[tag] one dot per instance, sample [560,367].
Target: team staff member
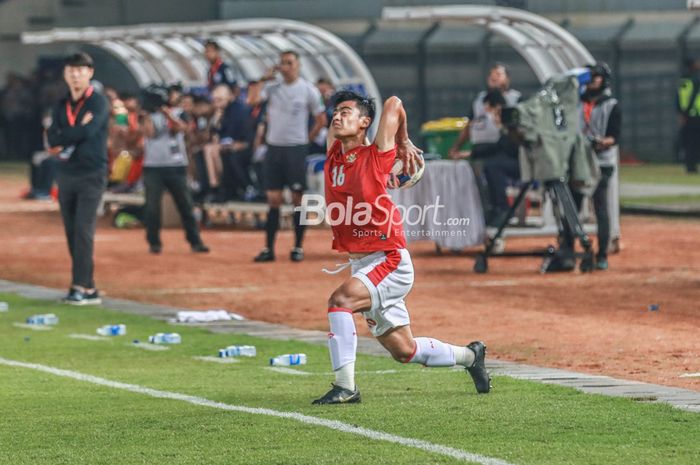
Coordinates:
[165,167]
[219,72]
[290,102]
[601,121]
[78,137]
[382,273]
[689,115]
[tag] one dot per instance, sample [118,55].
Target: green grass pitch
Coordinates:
[48,419]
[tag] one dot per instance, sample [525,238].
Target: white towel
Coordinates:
[207,316]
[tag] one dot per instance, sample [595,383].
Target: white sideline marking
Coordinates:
[378,372]
[148,346]
[208,358]
[89,337]
[690,375]
[331,424]
[288,371]
[33,327]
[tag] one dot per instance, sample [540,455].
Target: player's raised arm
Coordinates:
[393,131]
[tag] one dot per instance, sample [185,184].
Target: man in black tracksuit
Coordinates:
[78,137]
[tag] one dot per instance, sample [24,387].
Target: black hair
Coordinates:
[175,87]
[323,80]
[364,104]
[212,43]
[290,52]
[494,98]
[79,59]
[500,64]
[127,95]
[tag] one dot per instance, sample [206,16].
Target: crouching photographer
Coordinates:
[165,167]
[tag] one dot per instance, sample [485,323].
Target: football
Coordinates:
[404,180]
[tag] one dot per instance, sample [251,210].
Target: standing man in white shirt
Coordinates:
[291,103]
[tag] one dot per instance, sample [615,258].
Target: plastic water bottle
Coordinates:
[288,360]
[4,306]
[165,338]
[238,351]
[45,319]
[112,330]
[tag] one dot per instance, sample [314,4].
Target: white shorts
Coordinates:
[389,278]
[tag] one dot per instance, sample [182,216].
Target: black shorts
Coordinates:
[285,166]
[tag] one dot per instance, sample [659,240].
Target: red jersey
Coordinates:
[361,213]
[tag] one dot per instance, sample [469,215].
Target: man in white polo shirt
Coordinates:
[291,103]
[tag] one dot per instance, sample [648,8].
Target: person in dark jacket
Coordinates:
[235,139]
[219,71]
[78,138]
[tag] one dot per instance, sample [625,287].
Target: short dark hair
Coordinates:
[290,52]
[79,59]
[494,98]
[503,66]
[364,104]
[323,80]
[175,87]
[212,43]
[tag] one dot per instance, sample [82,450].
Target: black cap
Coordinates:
[79,59]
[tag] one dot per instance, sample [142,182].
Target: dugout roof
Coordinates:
[167,53]
[548,48]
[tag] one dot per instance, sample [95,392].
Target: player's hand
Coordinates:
[409,154]
[87,117]
[393,181]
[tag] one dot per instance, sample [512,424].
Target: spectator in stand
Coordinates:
[219,72]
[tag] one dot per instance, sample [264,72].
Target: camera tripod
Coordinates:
[565,211]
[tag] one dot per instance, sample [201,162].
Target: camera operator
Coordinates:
[501,165]
[481,129]
[165,167]
[601,123]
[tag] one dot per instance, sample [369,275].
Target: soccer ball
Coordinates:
[405,180]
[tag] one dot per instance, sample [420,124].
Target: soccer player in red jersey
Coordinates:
[366,224]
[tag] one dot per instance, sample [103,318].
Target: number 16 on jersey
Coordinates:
[338,175]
